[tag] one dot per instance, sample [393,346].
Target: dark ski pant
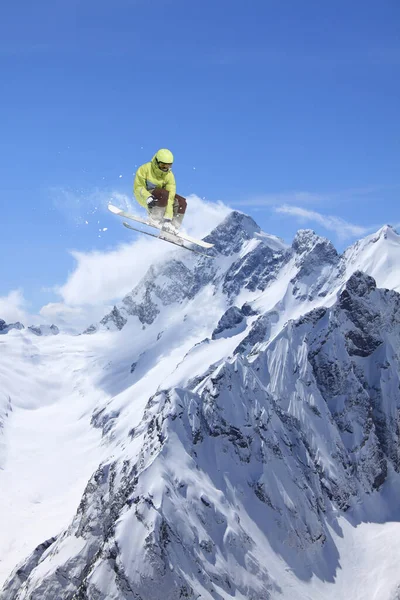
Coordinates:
[162,196]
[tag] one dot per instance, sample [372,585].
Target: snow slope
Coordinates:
[47,398]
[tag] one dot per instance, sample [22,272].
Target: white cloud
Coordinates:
[102,278]
[202,216]
[13,307]
[342,228]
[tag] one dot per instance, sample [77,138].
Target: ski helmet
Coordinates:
[164,159]
[165,156]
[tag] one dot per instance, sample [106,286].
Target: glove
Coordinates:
[168,226]
[151,202]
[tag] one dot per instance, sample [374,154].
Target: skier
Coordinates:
[155,189]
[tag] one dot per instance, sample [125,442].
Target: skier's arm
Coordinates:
[139,185]
[171,188]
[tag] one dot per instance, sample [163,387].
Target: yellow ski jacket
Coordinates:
[147,178]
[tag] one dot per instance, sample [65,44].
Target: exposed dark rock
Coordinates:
[248,310]
[104,420]
[229,236]
[113,318]
[360,284]
[258,333]
[91,329]
[255,270]
[229,321]
[5,328]
[44,330]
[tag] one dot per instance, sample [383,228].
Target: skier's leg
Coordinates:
[179,210]
[156,213]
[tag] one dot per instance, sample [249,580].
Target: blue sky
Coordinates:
[288,111]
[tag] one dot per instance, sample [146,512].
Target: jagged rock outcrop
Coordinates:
[22,574]
[318,265]
[259,333]
[228,238]
[5,328]
[231,322]
[255,270]
[44,329]
[162,286]
[356,366]
[114,319]
[38,330]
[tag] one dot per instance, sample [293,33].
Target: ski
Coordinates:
[167,237]
[121,213]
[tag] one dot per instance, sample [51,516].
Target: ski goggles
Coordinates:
[164,166]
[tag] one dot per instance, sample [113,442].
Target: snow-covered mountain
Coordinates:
[36,329]
[229,430]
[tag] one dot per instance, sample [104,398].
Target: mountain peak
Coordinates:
[360,284]
[229,236]
[312,252]
[388,232]
[377,254]
[385,233]
[306,240]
